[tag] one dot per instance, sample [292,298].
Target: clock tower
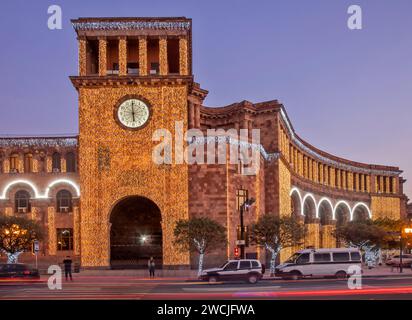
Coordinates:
[134,77]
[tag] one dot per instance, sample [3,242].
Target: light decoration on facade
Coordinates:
[38,141]
[132,25]
[324,199]
[331,162]
[36,192]
[341,202]
[360,204]
[351,211]
[236,142]
[62,181]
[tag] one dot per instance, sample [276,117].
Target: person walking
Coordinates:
[68,268]
[151,265]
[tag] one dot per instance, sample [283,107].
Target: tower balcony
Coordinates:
[134,47]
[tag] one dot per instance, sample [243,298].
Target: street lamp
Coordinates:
[245,205]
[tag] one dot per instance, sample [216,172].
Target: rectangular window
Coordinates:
[322,257]
[244,265]
[303,258]
[355,256]
[64,239]
[241,197]
[340,256]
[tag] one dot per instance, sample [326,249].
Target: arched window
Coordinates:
[22,201]
[56,162]
[70,162]
[14,162]
[28,162]
[64,201]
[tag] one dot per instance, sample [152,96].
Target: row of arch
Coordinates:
[37,194]
[323,209]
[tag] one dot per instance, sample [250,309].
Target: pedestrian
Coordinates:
[151,265]
[68,268]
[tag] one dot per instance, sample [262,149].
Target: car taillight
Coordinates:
[26,273]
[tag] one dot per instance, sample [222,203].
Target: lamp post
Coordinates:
[245,205]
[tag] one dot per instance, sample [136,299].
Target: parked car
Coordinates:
[249,270]
[18,271]
[320,263]
[396,260]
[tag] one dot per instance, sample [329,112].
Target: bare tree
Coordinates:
[199,235]
[275,234]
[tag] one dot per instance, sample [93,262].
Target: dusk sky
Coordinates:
[346,92]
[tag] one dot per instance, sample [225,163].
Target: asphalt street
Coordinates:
[127,287]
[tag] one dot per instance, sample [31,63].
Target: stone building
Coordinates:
[102,198]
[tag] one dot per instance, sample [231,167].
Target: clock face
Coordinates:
[133,113]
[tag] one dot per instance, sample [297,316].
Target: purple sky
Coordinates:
[346,92]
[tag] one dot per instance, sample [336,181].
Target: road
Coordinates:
[127,287]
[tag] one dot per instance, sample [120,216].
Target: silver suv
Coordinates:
[249,270]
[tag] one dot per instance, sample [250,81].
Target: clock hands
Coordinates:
[133,113]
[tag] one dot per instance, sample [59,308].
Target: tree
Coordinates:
[275,234]
[17,235]
[393,229]
[367,235]
[199,235]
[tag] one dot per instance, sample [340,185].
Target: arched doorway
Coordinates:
[135,234]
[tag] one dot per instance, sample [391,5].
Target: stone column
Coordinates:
[142,56]
[183,57]
[6,165]
[20,164]
[395,182]
[362,177]
[51,227]
[122,56]
[102,57]
[82,56]
[321,171]
[338,180]
[63,164]
[350,180]
[315,171]
[387,190]
[332,177]
[164,68]
[49,164]
[368,184]
[344,180]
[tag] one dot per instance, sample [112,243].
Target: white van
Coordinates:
[320,263]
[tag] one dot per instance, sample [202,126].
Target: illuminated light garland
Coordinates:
[37,195]
[360,204]
[331,162]
[320,202]
[38,141]
[334,208]
[132,25]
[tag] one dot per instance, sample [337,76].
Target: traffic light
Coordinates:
[236,252]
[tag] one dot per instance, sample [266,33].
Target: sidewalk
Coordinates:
[380,271]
